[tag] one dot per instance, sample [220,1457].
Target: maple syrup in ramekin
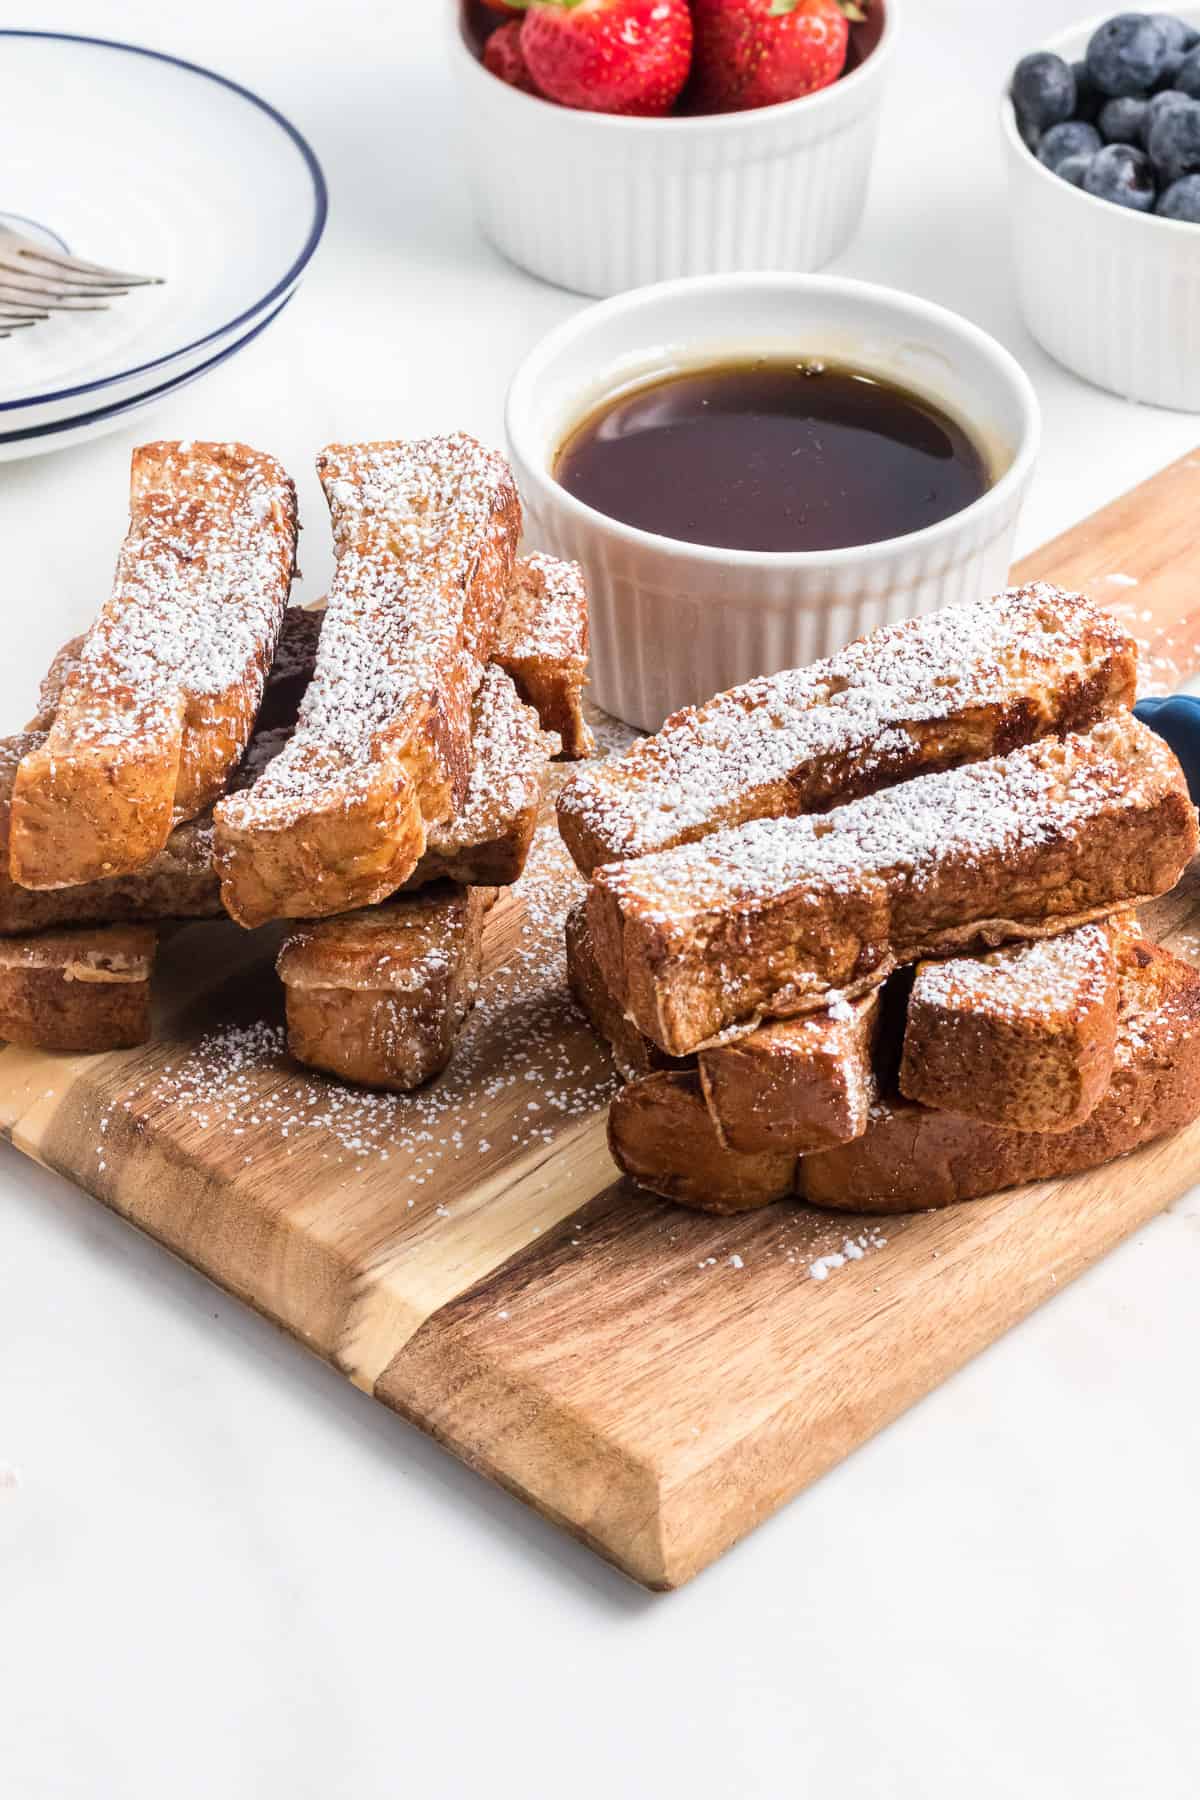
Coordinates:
[773,454]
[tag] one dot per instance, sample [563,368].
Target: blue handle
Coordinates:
[1177,720]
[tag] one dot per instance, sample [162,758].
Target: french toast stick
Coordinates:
[159,707]
[912,1157]
[1024,1037]
[542,642]
[85,991]
[663,1137]
[378,997]
[767,919]
[950,687]
[797,1085]
[425,536]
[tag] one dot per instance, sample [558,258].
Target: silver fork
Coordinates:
[35,282]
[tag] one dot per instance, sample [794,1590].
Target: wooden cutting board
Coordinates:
[653,1381]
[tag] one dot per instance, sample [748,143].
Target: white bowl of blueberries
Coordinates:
[1102,126]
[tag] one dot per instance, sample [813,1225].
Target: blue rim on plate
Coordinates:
[320,214]
[116,407]
[12,218]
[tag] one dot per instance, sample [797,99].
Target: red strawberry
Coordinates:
[503,55]
[758,52]
[613,56]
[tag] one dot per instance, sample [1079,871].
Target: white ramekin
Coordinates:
[673,623]
[600,204]
[1112,294]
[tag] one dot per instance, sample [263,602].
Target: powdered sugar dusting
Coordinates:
[524,1068]
[909,837]
[546,615]
[1026,982]
[785,743]
[853,1249]
[201,586]
[509,751]
[412,522]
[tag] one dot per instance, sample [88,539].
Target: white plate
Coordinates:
[106,414]
[144,162]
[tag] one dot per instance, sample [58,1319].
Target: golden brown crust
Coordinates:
[426,536]
[930,693]
[83,991]
[634,1054]
[662,1136]
[486,840]
[911,1157]
[799,1085]
[177,883]
[769,918]
[160,703]
[1023,1038]
[378,997]
[542,642]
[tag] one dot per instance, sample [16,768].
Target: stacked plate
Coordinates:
[140,161]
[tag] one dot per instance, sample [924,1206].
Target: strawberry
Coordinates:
[758,52]
[503,55]
[613,56]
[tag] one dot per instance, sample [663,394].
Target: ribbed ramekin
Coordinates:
[600,204]
[672,622]
[1111,294]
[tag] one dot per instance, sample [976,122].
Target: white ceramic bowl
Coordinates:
[1112,294]
[672,622]
[600,204]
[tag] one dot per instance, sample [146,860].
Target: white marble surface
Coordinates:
[222,1571]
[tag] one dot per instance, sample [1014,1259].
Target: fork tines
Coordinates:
[35,281]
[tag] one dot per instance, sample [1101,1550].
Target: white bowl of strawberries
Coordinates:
[614,143]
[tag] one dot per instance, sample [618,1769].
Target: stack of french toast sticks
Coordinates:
[864,933]
[370,772]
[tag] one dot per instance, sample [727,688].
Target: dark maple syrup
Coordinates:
[773,455]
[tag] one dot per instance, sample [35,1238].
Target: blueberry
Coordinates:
[1188,79]
[1072,138]
[1181,200]
[1043,89]
[1127,53]
[1030,135]
[1123,175]
[1158,104]
[1179,35]
[1088,98]
[1073,169]
[1122,120]
[1173,140]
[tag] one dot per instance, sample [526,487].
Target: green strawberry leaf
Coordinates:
[779,9]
